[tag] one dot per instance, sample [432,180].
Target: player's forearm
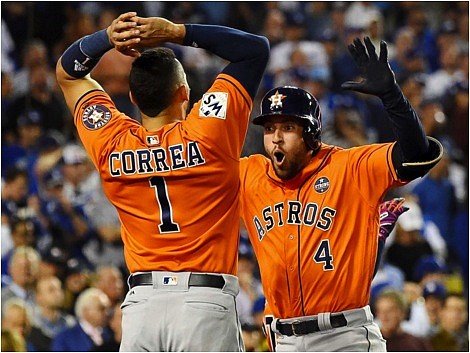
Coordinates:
[248,53]
[228,43]
[407,126]
[82,56]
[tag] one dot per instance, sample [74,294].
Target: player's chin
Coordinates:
[283,172]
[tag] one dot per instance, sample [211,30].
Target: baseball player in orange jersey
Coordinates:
[174,179]
[311,210]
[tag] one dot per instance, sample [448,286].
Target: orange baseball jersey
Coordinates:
[315,236]
[175,189]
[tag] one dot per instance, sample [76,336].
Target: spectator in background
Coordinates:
[434,294]
[435,194]
[48,319]
[12,341]
[456,104]
[425,38]
[76,280]
[430,277]
[348,129]
[23,271]
[250,286]
[53,262]
[34,55]
[449,73]
[115,327]
[405,59]
[7,96]
[22,234]
[408,245]
[390,311]
[452,335]
[273,26]
[16,318]
[67,223]
[91,329]
[359,14]
[413,87]
[22,153]
[343,67]
[109,280]
[14,198]
[295,51]
[41,97]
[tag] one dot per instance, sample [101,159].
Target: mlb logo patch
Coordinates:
[170,281]
[214,105]
[153,140]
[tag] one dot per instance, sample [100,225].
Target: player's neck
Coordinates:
[173,113]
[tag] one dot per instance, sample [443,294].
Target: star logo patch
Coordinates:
[276,100]
[96,116]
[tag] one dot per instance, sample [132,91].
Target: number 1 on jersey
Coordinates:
[167,224]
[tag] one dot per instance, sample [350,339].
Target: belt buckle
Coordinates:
[293,323]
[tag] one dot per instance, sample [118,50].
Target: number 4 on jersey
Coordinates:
[167,225]
[323,255]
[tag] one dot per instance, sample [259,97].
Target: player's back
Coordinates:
[175,189]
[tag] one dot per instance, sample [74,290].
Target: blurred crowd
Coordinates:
[62,258]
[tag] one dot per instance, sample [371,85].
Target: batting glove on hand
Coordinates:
[389,213]
[378,77]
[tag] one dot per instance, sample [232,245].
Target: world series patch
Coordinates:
[96,116]
[322,185]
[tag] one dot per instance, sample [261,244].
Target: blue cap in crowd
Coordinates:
[434,288]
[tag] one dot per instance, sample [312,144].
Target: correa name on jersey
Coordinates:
[155,160]
[297,214]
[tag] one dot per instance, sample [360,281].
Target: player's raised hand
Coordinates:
[378,77]
[123,34]
[389,213]
[153,31]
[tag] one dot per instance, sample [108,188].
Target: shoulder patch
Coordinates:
[96,116]
[214,105]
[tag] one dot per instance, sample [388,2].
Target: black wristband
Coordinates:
[83,55]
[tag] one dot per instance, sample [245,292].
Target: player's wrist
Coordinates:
[82,56]
[177,33]
[96,45]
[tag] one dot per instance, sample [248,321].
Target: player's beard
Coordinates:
[294,161]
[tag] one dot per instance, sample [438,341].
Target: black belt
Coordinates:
[298,328]
[195,280]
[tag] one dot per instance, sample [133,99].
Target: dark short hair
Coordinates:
[152,79]
[14,172]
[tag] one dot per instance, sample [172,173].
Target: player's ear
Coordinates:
[131,98]
[182,93]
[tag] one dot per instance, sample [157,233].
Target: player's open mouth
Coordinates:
[279,157]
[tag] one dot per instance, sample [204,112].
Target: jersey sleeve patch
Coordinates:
[96,116]
[214,105]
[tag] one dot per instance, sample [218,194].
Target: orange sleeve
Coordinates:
[368,172]
[98,122]
[222,115]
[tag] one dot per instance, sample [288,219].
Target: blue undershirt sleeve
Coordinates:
[248,53]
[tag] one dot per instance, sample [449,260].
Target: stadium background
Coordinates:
[57,221]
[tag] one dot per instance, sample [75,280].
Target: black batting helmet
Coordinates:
[297,103]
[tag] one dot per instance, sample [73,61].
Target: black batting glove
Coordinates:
[378,77]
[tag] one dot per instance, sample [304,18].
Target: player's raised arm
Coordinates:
[247,53]
[414,154]
[76,63]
